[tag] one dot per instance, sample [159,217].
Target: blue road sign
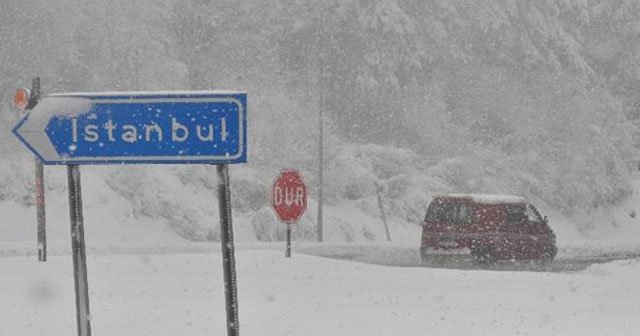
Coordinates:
[138,127]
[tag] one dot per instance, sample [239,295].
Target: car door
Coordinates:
[515,232]
[537,232]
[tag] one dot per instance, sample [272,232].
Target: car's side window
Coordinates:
[516,214]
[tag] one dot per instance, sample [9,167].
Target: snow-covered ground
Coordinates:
[181,294]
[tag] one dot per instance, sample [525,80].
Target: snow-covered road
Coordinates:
[568,260]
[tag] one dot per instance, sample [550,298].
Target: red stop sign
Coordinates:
[289,196]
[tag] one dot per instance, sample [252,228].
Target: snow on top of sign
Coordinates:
[60,106]
[486,198]
[143,93]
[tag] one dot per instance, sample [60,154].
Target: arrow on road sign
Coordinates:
[137,127]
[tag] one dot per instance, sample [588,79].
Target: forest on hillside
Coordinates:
[539,98]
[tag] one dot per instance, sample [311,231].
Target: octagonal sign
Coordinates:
[289,196]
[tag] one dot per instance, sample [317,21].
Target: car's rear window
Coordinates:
[451,213]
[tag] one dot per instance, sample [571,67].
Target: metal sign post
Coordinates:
[34,99]
[42,229]
[228,253]
[78,251]
[287,253]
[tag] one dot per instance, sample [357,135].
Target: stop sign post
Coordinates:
[289,200]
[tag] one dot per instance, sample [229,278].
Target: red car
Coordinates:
[486,228]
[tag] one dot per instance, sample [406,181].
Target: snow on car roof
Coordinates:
[485,198]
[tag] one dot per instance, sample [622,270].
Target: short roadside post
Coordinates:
[204,127]
[289,200]
[379,189]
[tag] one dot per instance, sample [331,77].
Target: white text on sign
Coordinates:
[113,132]
[289,196]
